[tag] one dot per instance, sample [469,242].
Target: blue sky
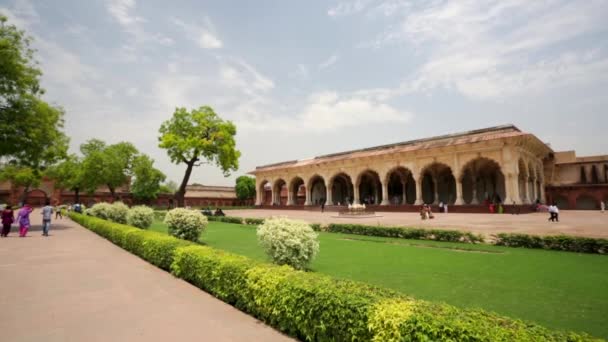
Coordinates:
[304,78]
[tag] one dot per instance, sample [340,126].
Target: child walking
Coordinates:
[8,217]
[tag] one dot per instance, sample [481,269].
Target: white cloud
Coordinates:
[328,62]
[301,72]
[205,36]
[123,11]
[349,8]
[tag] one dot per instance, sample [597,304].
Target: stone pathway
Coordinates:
[76,286]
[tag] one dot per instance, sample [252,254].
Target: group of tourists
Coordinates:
[426,213]
[23,219]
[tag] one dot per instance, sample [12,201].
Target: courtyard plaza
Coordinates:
[571,222]
[77,286]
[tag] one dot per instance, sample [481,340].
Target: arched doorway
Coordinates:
[297,192]
[342,190]
[438,184]
[265,193]
[483,180]
[279,192]
[586,202]
[317,190]
[370,188]
[36,198]
[401,186]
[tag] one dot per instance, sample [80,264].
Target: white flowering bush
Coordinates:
[119,212]
[140,216]
[185,223]
[288,242]
[100,210]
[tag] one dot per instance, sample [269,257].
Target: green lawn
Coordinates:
[561,290]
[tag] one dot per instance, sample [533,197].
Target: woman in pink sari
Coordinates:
[24,219]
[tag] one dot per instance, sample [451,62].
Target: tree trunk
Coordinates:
[76,195]
[24,194]
[181,192]
[112,192]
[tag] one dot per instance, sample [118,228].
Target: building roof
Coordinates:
[478,135]
[201,187]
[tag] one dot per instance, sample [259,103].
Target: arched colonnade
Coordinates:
[477,181]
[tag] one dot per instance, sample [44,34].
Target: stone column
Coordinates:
[289,197]
[436,190]
[258,196]
[328,196]
[474,200]
[459,199]
[376,194]
[404,198]
[526,198]
[356,195]
[308,193]
[419,200]
[385,200]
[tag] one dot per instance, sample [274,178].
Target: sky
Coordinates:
[306,78]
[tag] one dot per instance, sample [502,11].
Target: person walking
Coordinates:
[8,217]
[47,213]
[602,206]
[23,217]
[551,213]
[556,211]
[58,213]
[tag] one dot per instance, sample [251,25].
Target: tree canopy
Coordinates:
[69,175]
[198,137]
[245,187]
[146,185]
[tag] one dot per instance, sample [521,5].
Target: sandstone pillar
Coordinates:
[404,197]
[419,200]
[542,191]
[474,200]
[328,196]
[435,190]
[356,195]
[526,197]
[308,195]
[459,199]
[385,200]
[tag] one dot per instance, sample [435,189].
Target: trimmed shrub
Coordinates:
[119,212]
[288,242]
[406,233]
[557,242]
[140,216]
[316,307]
[231,219]
[100,210]
[253,221]
[185,223]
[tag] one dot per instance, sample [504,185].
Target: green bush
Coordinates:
[316,307]
[288,242]
[557,242]
[231,219]
[406,233]
[140,216]
[253,221]
[185,223]
[101,210]
[119,212]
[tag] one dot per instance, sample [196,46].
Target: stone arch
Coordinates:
[265,192]
[342,189]
[522,176]
[316,190]
[370,187]
[401,186]
[438,183]
[36,197]
[279,192]
[482,179]
[297,191]
[586,202]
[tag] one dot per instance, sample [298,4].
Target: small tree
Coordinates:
[288,241]
[146,185]
[245,187]
[68,175]
[199,137]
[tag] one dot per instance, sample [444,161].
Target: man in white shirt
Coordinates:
[47,213]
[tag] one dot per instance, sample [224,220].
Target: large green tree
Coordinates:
[245,187]
[198,137]
[146,183]
[30,128]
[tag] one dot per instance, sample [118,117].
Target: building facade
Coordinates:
[498,164]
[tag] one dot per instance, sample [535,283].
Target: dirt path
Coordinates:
[76,286]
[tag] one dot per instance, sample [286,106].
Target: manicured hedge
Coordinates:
[227,219]
[316,307]
[557,242]
[406,233]
[253,221]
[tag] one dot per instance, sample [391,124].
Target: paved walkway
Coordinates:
[76,286]
[571,222]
